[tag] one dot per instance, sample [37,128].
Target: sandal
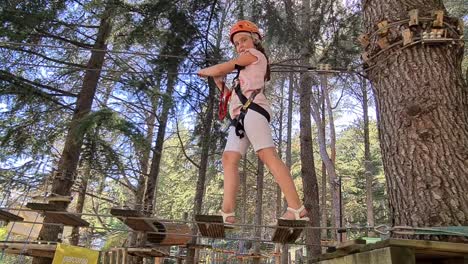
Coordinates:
[225,216]
[297,214]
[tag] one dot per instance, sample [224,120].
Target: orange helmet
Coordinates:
[244,26]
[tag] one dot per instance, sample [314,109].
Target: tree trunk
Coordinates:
[68,163]
[243,183]
[75,235]
[205,149]
[167,102]
[309,178]
[367,157]
[279,208]
[258,208]
[144,158]
[331,124]
[422,104]
[323,201]
[330,166]
[285,248]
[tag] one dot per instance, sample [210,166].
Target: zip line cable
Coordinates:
[305,69]
[19,44]
[273,64]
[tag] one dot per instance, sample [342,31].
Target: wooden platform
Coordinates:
[197,246]
[52,198]
[147,252]
[133,219]
[288,231]
[43,207]
[211,226]
[9,217]
[29,249]
[399,251]
[67,219]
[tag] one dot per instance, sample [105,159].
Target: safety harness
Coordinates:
[247,104]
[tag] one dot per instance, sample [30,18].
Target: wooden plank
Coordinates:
[124,256]
[177,234]
[30,252]
[104,258]
[52,198]
[67,219]
[197,246]
[350,243]
[9,217]
[383,42]
[112,257]
[123,212]
[211,225]
[43,207]
[134,219]
[414,17]
[146,252]
[383,28]
[364,40]
[13,245]
[288,231]
[407,36]
[118,252]
[439,18]
[139,224]
[429,245]
[387,255]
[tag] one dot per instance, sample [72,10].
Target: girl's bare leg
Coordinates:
[283,177]
[231,182]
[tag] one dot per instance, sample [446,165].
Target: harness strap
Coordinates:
[238,122]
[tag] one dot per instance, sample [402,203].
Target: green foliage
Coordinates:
[112,121]
[350,165]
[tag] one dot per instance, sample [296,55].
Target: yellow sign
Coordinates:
[66,254]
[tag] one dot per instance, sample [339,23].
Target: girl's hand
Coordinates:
[202,73]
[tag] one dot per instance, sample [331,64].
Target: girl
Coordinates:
[252,125]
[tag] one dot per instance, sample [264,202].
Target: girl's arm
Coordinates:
[220,70]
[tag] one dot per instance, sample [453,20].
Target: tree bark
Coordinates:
[422,104]
[75,235]
[68,163]
[167,102]
[204,159]
[331,124]
[285,248]
[258,207]
[367,156]
[323,201]
[309,178]
[330,166]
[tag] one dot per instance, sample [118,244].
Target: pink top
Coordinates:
[251,78]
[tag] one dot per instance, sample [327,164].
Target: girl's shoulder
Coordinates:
[260,56]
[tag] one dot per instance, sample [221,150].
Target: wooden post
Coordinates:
[103,256]
[112,257]
[119,255]
[124,256]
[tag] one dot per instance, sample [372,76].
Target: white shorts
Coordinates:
[257,132]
